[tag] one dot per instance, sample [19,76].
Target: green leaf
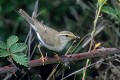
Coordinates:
[4,53]
[3,45]
[18,47]
[117,12]
[11,40]
[21,59]
[111,11]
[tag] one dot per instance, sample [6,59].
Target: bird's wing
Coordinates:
[48,35]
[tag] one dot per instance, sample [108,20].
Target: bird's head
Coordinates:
[67,36]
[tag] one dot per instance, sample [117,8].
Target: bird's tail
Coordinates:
[29,19]
[26,16]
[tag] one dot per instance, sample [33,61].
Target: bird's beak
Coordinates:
[76,38]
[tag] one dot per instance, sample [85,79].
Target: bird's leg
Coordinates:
[42,57]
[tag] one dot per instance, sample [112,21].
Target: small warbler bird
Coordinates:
[47,36]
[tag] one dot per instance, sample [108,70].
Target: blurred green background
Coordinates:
[76,16]
[60,15]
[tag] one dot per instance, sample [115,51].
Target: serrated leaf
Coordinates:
[18,47]
[11,40]
[3,45]
[21,59]
[4,53]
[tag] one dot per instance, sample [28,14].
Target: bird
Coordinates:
[52,39]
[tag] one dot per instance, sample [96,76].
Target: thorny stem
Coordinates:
[92,34]
[66,58]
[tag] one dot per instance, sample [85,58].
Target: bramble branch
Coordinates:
[66,58]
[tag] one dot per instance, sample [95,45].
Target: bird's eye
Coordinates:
[66,35]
